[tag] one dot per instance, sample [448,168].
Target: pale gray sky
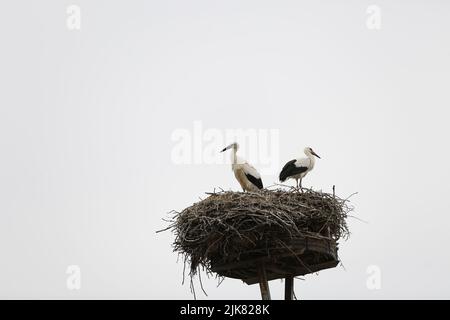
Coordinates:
[87,119]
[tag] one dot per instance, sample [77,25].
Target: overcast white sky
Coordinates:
[87,121]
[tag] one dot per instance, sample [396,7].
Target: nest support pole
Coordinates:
[263,283]
[289,288]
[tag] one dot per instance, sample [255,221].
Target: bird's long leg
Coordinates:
[301,188]
[297,182]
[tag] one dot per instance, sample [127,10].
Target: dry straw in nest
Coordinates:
[228,224]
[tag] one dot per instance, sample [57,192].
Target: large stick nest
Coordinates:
[227,224]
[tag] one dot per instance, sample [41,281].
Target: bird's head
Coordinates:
[310,151]
[234,145]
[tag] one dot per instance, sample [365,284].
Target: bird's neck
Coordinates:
[234,156]
[312,160]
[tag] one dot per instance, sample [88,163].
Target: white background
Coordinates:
[86,118]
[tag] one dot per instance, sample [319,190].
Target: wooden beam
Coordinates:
[296,247]
[289,288]
[301,271]
[263,283]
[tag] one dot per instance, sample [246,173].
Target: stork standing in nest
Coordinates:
[298,168]
[247,176]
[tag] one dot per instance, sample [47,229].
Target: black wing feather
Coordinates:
[290,169]
[257,182]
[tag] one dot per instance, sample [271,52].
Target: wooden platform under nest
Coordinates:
[299,257]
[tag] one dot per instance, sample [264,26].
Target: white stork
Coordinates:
[298,168]
[246,174]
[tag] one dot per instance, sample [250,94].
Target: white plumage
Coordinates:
[298,168]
